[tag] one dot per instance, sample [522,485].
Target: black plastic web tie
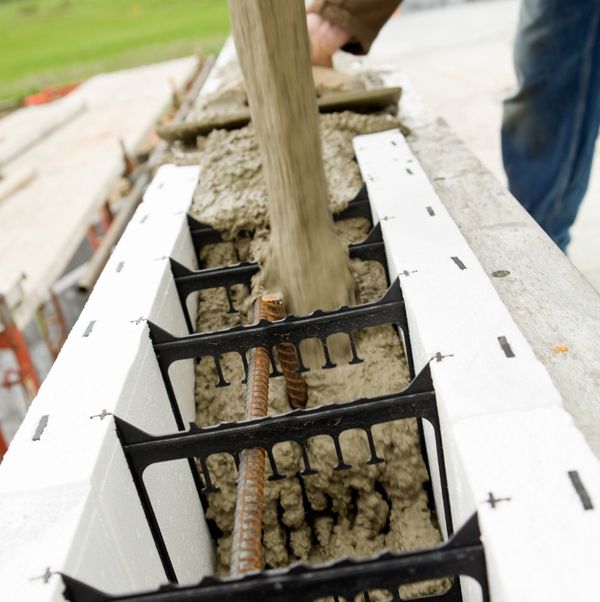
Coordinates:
[374,459]
[328,361]
[389,309]
[188,281]
[298,426]
[341,465]
[308,470]
[463,554]
[355,358]
[203,234]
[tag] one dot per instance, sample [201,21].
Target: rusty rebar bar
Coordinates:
[246,549]
[294,381]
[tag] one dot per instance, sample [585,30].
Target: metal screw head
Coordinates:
[500,273]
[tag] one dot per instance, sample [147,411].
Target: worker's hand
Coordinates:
[325,39]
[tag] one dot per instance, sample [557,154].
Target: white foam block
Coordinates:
[541,530]
[503,428]
[171,189]
[451,305]
[36,534]
[66,461]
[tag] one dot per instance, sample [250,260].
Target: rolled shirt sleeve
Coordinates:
[362,19]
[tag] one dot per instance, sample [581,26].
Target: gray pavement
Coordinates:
[459,59]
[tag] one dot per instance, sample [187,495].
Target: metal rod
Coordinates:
[294,381]
[246,552]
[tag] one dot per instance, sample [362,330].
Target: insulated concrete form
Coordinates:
[67,501]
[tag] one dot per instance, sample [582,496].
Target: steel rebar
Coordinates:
[294,381]
[246,549]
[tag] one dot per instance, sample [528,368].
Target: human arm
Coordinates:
[348,24]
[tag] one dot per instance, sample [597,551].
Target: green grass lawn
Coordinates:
[53,42]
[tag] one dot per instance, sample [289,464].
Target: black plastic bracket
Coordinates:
[189,281]
[203,234]
[198,444]
[293,329]
[461,555]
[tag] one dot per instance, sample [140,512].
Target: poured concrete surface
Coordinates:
[459,59]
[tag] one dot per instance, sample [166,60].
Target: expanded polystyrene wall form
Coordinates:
[67,499]
[512,452]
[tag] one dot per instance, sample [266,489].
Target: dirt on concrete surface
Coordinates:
[367,508]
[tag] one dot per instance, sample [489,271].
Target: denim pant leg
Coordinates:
[550,126]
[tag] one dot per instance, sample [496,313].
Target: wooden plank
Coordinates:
[43,223]
[361,101]
[273,50]
[130,202]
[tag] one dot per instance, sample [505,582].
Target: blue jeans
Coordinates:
[550,126]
